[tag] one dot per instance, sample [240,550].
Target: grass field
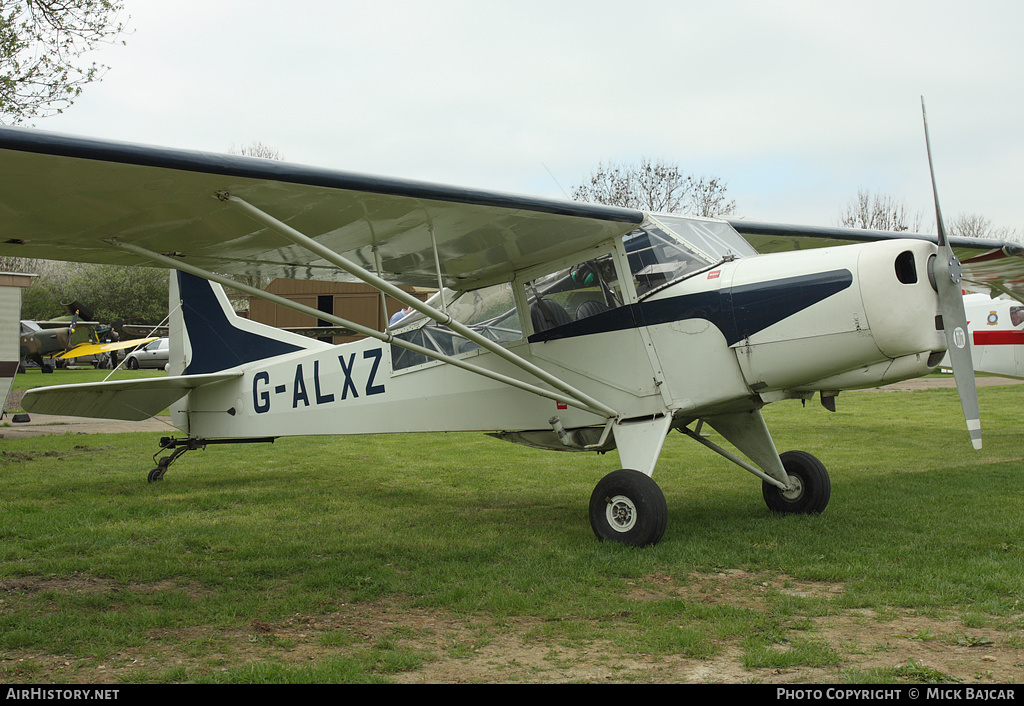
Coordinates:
[34,377]
[457,557]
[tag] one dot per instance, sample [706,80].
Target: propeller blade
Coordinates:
[947,274]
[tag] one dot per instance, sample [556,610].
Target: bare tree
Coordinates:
[971,225]
[41,45]
[879,212]
[257,149]
[263,151]
[883,212]
[655,186]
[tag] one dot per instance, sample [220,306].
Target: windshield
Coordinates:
[656,258]
[715,238]
[672,248]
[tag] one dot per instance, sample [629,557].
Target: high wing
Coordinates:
[67,323]
[144,331]
[319,331]
[994,266]
[84,200]
[84,349]
[311,331]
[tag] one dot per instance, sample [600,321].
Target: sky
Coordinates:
[797,105]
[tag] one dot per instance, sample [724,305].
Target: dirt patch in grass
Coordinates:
[460,649]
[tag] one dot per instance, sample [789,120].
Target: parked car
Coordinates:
[154,354]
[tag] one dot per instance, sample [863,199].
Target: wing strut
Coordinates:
[401,295]
[568,394]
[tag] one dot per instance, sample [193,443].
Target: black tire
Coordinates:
[628,507]
[812,488]
[132,364]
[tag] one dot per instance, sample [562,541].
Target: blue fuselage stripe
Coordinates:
[738,312]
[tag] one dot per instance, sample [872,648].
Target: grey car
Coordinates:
[152,355]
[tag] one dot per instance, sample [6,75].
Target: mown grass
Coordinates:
[468,525]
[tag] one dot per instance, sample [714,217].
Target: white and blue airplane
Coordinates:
[559,325]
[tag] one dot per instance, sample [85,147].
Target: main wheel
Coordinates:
[811,487]
[628,507]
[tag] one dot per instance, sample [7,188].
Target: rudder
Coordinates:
[206,336]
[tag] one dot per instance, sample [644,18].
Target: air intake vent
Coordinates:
[906,268]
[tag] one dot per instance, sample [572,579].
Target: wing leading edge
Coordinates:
[68,197]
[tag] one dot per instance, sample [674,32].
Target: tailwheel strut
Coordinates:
[180,446]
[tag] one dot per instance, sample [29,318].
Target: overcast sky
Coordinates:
[797,105]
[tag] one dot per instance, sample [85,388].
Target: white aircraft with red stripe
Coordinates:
[996,328]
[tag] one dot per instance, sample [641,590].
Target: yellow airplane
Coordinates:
[84,349]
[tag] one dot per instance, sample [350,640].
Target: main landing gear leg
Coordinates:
[794,482]
[627,506]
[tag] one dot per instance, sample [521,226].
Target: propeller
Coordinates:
[947,272]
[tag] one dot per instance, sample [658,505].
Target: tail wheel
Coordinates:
[810,487]
[628,507]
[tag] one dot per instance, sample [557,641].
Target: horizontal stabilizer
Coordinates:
[132,400]
[84,349]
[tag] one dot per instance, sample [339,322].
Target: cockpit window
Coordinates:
[1017,316]
[490,311]
[574,293]
[665,249]
[567,295]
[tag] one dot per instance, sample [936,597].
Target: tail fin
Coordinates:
[206,336]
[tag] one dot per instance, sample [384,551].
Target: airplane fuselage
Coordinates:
[731,337]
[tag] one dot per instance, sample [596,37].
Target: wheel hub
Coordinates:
[796,488]
[621,513]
